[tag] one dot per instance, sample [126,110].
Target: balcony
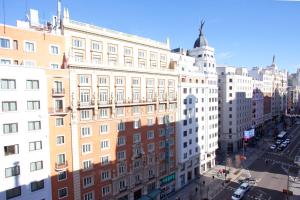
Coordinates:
[58,111]
[61,166]
[104,103]
[58,92]
[123,189]
[86,104]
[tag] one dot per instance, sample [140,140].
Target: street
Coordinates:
[270,172]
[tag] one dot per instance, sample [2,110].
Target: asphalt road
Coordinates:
[271,176]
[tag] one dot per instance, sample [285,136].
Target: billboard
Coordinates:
[248,134]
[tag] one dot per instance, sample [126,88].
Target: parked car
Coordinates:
[288,140]
[273,146]
[284,144]
[245,187]
[280,148]
[278,142]
[238,194]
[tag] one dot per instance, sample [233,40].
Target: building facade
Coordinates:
[235,106]
[25,163]
[197,125]
[123,105]
[258,107]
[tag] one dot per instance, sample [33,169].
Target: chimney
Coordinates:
[58,11]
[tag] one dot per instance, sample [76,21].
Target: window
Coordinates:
[230,80]
[4,43]
[96,46]
[11,149]
[87,164]
[15,44]
[60,140]
[14,192]
[103,112]
[9,106]
[54,50]
[59,121]
[54,66]
[136,137]
[5,61]
[104,160]
[104,144]
[84,96]
[88,196]
[62,192]
[85,115]
[136,123]
[121,140]
[150,108]
[61,159]
[103,95]
[34,166]
[122,185]
[120,111]
[12,171]
[127,51]
[105,175]
[34,125]
[32,84]
[30,63]
[86,148]
[135,109]
[88,181]
[103,128]
[78,43]
[112,48]
[103,80]
[34,146]
[85,131]
[37,185]
[62,175]
[120,95]
[29,47]
[151,147]
[10,128]
[105,190]
[121,126]
[150,135]
[142,54]
[8,84]
[97,58]
[84,79]
[121,155]
[33,105]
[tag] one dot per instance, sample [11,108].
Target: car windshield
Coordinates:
[243,187]
[236,195]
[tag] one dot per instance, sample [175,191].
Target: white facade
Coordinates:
[235,106]
[197,126]
[274,89]
[24,135]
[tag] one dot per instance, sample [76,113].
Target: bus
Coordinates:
[281,135]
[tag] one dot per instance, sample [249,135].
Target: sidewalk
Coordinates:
[210,184]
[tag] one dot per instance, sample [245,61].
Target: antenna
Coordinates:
[26,11]
[3,8]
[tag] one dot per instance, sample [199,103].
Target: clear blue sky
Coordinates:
[243,32]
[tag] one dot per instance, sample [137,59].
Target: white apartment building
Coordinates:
[274,89]
[235,106]
[24,135]
[197,125]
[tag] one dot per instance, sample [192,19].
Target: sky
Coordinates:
[244,33]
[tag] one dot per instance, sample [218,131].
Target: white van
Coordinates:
[238,194]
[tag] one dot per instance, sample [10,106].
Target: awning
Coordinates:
[152,195]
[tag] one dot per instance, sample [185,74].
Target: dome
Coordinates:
[201,40]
